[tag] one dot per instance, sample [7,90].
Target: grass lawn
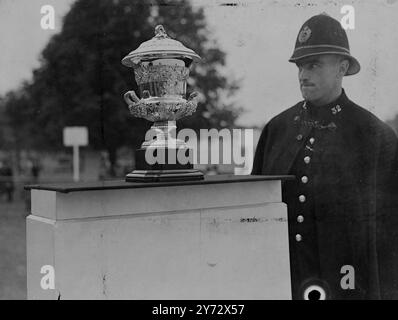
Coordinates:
[12,249]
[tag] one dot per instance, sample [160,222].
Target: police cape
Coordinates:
[352,188]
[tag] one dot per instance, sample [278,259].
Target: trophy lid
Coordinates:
[160,46]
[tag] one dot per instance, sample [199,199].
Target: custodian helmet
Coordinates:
[321,34]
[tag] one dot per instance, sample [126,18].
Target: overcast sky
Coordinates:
[258,37]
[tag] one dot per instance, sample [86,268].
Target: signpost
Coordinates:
[75,137]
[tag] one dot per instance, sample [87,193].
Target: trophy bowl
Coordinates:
[162,85]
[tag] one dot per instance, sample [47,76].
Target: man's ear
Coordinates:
[344,65]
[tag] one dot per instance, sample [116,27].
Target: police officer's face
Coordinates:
[320,77]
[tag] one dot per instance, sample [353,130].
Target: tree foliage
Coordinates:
[15,120]
[81,81]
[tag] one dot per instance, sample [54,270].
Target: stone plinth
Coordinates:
[225,237]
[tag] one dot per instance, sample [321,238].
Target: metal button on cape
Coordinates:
[304,179]
[302,198]
[300,219]
[307,159]
[299,137]
[312,140]
[298,237]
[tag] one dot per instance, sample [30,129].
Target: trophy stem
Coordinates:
[164,143]
[165,136]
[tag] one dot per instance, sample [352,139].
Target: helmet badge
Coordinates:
[304,34]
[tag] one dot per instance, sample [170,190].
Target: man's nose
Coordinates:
[303,74]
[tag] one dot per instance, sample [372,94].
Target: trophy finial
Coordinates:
[160,32]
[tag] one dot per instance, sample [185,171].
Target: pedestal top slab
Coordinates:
[121,184]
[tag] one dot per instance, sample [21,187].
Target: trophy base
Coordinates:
[169,168]
[164,175]
[166,159]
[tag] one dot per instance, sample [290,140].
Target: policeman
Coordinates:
[342,215]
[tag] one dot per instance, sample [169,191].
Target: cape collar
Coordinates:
[331,109]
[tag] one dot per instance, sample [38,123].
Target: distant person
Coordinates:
[7,182]
[35,170]
[103,167]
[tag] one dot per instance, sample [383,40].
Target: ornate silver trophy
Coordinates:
[161,69]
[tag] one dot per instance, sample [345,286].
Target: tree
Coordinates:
[16,121]
[81,80]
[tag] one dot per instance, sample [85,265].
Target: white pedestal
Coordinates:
[222,238]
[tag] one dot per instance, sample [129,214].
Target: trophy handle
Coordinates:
[131,98]
[193,96]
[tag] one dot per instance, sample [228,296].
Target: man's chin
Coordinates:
[307,95]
